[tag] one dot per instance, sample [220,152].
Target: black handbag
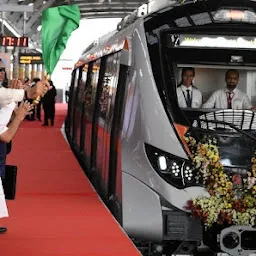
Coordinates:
[9,181]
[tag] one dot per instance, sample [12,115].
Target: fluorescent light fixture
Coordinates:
[30,4]
[10,28]
[14,32]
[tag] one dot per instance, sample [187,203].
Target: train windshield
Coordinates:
[208,75]
[200,67]
[211,67]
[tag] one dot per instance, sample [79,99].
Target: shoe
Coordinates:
[44,124]
[3,230]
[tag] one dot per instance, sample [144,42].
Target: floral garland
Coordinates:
[232,198]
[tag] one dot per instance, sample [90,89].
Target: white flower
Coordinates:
[251,182]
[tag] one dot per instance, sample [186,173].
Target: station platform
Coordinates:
[56,211]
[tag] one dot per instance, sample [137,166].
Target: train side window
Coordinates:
[73,99]
[77,103]
[86,82]
[110,81]
[107,102]
[79,106]
[91,88]
[89,105]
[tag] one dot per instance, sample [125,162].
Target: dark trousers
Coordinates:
[38,111]
[49,113]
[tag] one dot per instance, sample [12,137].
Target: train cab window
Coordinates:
[197,68]
[205,81]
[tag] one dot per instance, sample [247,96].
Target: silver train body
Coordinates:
[119,136]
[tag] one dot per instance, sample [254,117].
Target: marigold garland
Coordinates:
[232,199]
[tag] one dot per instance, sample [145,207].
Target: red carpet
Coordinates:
[56,211]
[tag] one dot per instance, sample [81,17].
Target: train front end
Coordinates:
[218,172]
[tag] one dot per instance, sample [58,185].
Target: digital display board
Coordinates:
[14,41]
[26,58]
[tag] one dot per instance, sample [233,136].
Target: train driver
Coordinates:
[229,97]
[188,95]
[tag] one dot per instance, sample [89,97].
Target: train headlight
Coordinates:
[188,173]
[169,166]
[176,171]
[162,163]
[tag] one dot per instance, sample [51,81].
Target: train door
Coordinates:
[114,172]
[77,114]
[104,122]
[86,81]
[78,111]
[111,102]
[73,102]
[69,115]
[89,107]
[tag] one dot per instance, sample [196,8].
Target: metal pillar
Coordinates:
[24,23]
[2,29]
[2,25]
[33,71]
[39,72]
[44,73]
[15,63]
[27,70]
[22,71]
[10,53]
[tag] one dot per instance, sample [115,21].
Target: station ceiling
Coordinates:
[90,9]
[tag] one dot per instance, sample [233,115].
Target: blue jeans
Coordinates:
[2,158]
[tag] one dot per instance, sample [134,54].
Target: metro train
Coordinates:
[126,128]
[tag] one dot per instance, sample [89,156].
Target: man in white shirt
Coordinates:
[230,97]
[188,95]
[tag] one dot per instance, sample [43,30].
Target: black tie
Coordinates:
[189,101]
[229,100]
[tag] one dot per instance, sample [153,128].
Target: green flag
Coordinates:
[57,25]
